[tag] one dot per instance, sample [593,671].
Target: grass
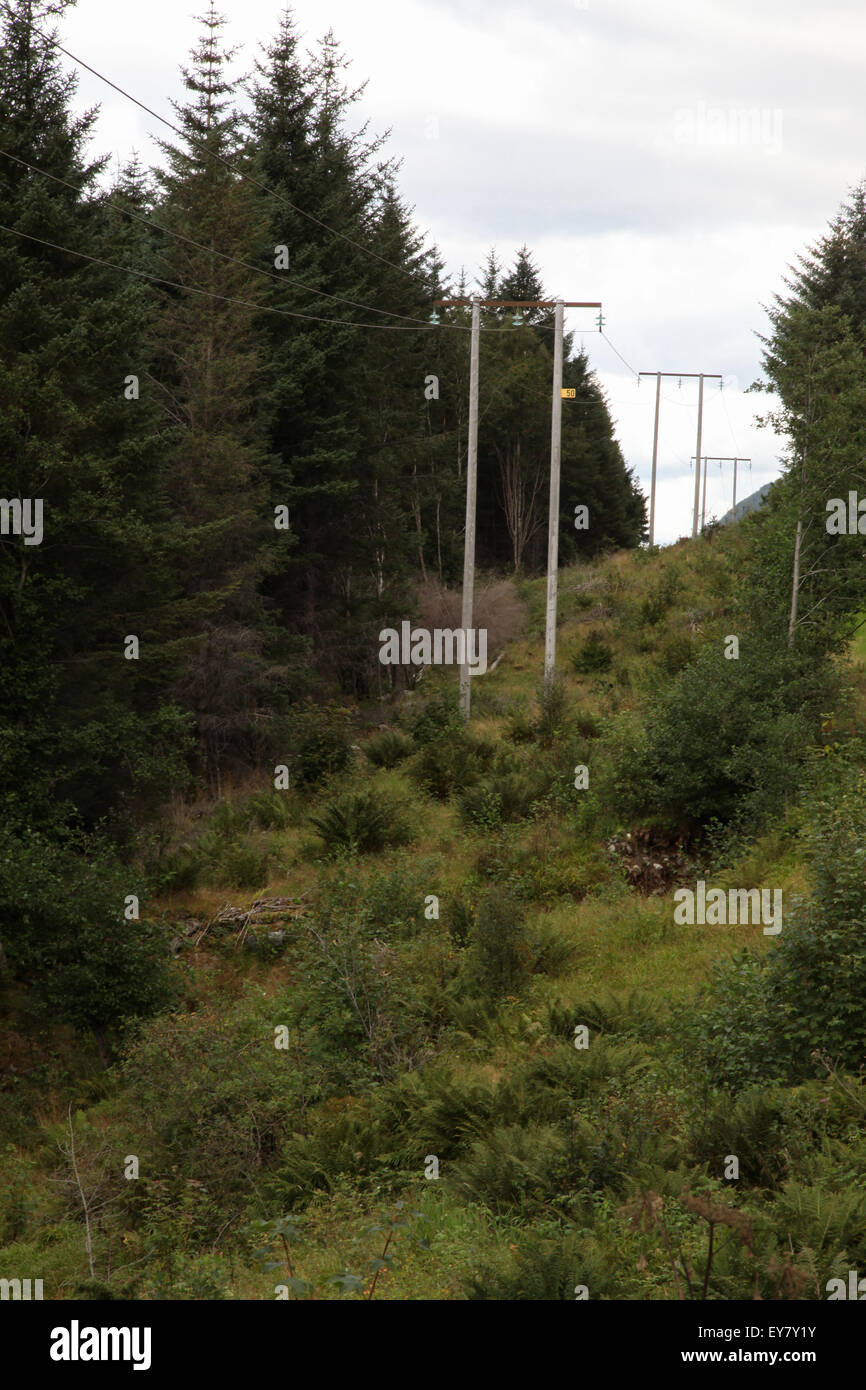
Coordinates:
[621,942]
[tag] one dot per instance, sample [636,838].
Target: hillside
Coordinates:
[381,979]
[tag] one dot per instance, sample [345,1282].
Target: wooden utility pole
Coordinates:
[472,470]
[471,497]
[655,460]
[723,458]
[553,511]
[702,376]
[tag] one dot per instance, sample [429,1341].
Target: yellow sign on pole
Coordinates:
[569,392]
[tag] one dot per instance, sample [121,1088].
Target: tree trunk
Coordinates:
[795,587]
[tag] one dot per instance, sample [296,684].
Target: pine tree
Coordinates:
[84,732]
[207,372]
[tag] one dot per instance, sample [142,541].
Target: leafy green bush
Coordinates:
[512,1165]
[507,794]
[450,764]
[439,717]
[320,738]
[660,598]
[675,652]
[499,954]
[387,749]
[596,655]
[763,1018]
[270,810]
[553,711]
[549,1270]
[66,936]
[728,736]
[726,1033]
[816,975]
[364,823]
[213,1093]
[751,1127]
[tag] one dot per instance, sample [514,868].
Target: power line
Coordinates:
[619,354]
[246,178]
[211,250]
[209,294]
[730,426]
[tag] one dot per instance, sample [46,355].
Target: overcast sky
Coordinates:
[670,160]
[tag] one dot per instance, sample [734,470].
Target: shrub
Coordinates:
[753,1128]
[387,749]
[511,1165]
[728,736]
[270,810]
[508,794]
[440,716]
[321,741]
[816,974]
[360,824]
[499,955]
[675,652]
[595,655]
[65,935]
[553,704]
[726,1032]
[213,1093]
[450,764]
[659,599]
[550,1270]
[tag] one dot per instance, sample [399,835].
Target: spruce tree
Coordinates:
[208,371]
[84,731]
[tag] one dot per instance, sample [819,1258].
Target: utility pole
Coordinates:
[471,496]
[655,459]
[724,458]
[553,511]
[702,376]
[558,305]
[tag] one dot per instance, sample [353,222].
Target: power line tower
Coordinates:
[701,376]
[558,305]
[722,458]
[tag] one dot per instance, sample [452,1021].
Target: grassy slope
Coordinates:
[621,941]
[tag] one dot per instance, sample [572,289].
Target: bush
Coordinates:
[726,1034]
[660,598]
[321,739]
[213,1093]
[553,704]
[511,1165]
[440,716]
[65,934]
[753,1129]
[387,749]
[508,794]
[446,765]
[595,655]
[675,652]
[360,824]
[729,736]
[500,954]
[549,1270]
[816,974]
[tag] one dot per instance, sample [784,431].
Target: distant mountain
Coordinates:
[748,504]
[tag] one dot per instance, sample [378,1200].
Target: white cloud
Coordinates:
[671,160]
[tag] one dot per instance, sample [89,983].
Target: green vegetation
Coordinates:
[379,1004]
